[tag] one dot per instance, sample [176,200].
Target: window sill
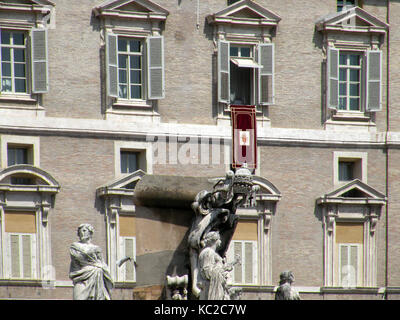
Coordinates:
[124,285]
[350,116]
[21,282]
[16,97]
[356,290]
[132,104]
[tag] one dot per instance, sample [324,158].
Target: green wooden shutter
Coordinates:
[374,77]
[223,71]
[40,83]
[333,78]
[155,68]
[112,65]
[266,74]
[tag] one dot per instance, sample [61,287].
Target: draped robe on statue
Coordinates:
[90,275]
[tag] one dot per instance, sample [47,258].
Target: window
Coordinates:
[342,4]
[17,66]
[134,58]
[121,225]
[350,218]
[131,156]
[349,251]
[23,52]
[242,72]
[13,62]
[25,249]
[232,2]
[17,155]
[130,71]
[346,170]
[353,67]
[349,166]
[129,161]
[245,57]
[19,150]
[125,67]
[242,79]
[345,80]
[127,248]
[244,245]
[349,81]
[20,234]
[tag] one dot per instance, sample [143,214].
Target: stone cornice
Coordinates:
[142,131]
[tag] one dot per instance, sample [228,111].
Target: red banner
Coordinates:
[244,136]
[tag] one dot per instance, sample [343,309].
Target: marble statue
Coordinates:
[213,269]
[216,211]
[285,290]
[88,272]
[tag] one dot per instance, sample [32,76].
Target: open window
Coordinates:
[245,59]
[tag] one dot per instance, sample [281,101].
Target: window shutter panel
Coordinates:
[266,94]
[40,82]
[333,78]
[237,251]
[15,256]
[374,75]
[112,65]
[354,263]
[1,86]
[26,256]
[129,265]
[128,249]
[223,71]
[248,262]
[155,67]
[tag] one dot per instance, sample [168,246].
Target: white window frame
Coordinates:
[145,149]
[351,157]
[361,68]
[346,4]
[143,53]
[32,143]
[27,62]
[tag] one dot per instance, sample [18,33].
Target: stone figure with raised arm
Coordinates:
[215,211]
[90,275]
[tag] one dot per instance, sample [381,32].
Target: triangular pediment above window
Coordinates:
[138,9]
[245,12]
[353,19]
[356,192]
[124,185]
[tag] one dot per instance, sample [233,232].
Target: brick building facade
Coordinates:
[97,95]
